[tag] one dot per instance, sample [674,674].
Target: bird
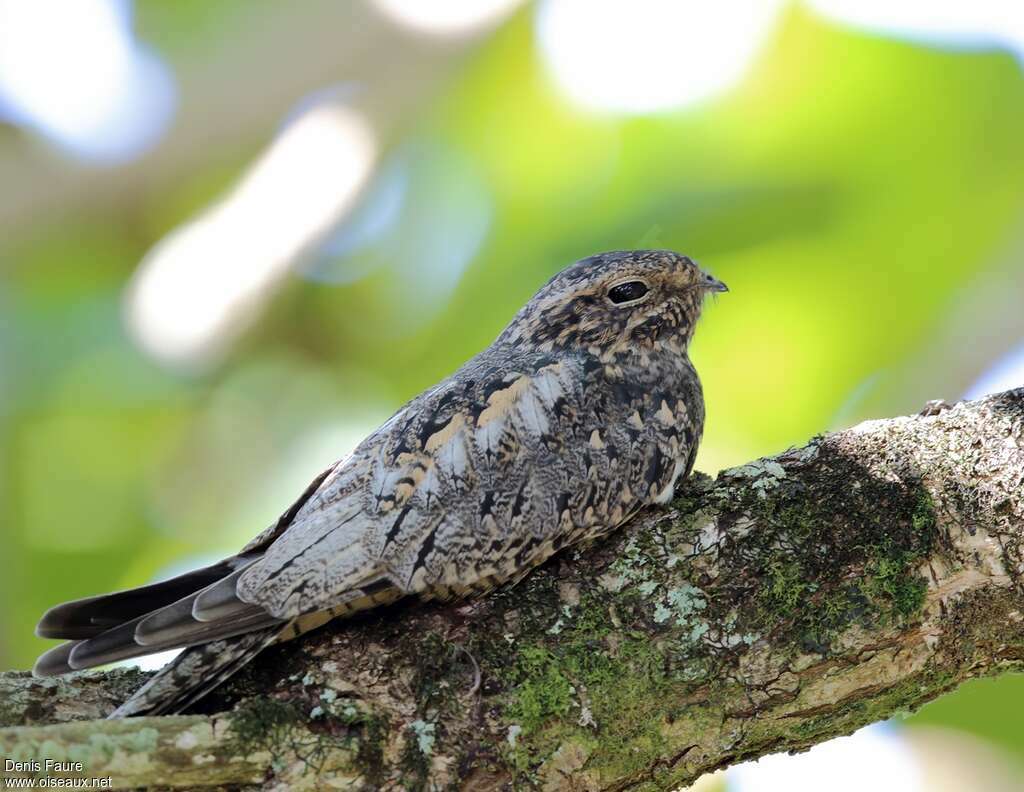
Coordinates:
[585,409]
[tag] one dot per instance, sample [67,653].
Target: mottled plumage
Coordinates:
[584,409]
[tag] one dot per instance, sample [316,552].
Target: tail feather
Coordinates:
[194,673]
[142,621]
[54,662]
[200,609]
[175,624]
[90,616]
[220,600]
[115,644]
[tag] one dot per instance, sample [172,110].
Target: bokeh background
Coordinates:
[235,236]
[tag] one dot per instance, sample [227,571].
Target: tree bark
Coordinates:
[793,599]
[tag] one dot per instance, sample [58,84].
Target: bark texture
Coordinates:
[791,600]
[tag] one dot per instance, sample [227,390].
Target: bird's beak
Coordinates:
[713,284]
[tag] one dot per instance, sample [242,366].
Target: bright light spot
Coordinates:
[955,23]
[874,758]
[649,55]
[370,224]
[72,72]
[424,220]
[1005,375]
[152,662]
[446,220]
[204,284]
[447,17]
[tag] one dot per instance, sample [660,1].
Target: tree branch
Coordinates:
[793,599]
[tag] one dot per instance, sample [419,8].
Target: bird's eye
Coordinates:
[627,292]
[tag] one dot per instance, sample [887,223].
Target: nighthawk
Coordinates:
[583,410]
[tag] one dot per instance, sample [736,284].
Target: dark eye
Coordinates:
[627,292]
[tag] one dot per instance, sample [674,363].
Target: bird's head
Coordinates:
[627,300]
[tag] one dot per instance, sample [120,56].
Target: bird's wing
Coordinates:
[465,483]
[206,605]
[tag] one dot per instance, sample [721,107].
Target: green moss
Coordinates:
[889,591]
[786,586]
[923,519]
[577,686]
[282,729]
[628,697]
[542,690]
[629,661]
[264,724]
[831,562]
[892,581]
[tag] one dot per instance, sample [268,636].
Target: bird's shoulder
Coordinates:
[509,388]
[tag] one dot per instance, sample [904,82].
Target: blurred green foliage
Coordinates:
[851,191]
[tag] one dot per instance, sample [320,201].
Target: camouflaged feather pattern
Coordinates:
[557,432]
[585,409]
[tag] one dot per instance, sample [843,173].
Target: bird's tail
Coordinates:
[199,610]
[194,673]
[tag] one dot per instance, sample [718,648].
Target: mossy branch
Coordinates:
[793,599]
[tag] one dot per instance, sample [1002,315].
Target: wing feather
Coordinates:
[407,505]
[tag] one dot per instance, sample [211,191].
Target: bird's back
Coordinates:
[514,456]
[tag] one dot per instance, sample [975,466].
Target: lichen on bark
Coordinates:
[790,600]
